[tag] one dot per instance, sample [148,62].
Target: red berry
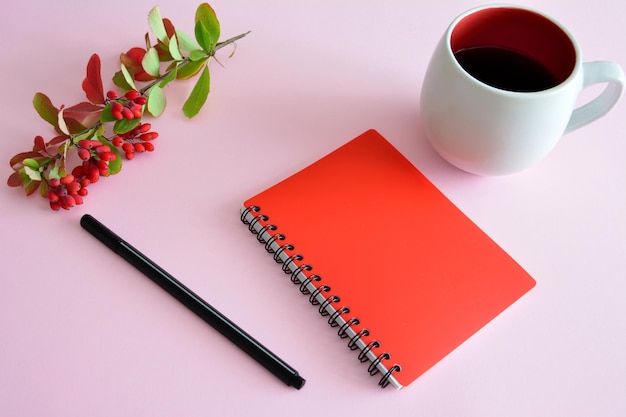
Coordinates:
[144,127]
[130,155]
[102,149]
[84,183]
[84,154]
[78,171]
[117,141]
[139,147]
[132,94]
[82,192]
[67,202]
[103,167]
[107,156]
[60,191]
[52,196]
[149,146]
[73,187]
[127,147]
[116,110]
[55,205]
[149,136]
[67,179]
[88,144]
[78,199]
[94,174]
[127,113]
[141,100]
[112,95]
[137,112]
[54,182]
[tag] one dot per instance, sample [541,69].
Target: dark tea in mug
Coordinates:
[506,69]
[513,49]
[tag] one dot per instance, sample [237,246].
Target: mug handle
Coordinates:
[594,73]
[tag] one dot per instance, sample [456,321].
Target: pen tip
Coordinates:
[297,381]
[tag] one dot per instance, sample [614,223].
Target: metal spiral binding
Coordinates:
[275,237]
[280,250]
[352,344]
[272,242]
[299,270]
[303,285]
[332,320]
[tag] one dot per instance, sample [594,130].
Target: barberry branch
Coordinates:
[100,129]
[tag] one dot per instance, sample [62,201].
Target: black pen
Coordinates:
[196,304]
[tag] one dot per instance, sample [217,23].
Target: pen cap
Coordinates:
[100,231]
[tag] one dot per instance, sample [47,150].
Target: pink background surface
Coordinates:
[82,333]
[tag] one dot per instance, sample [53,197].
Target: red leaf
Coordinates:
[169,27]
[15,180]
[92,84]
[17,159]
[57,140]
[73,126]
[31,187]
[86,114]
[39,144]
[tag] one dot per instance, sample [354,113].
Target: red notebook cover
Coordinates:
[400,272]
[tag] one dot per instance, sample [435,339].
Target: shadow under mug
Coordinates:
[485,104]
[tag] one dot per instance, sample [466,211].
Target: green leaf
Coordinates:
[156,101]
[206,15]
[202,36]
[190,69]
[174,49]
[54,171]
[150,62]
[86,135]
[46,110]
[31,163]
[207,27]
[120,81]
[186,42]
[170,75]
[197,55]
[106,115]
[128,78]
[198,95]
[125,125]
[33,174]
[156,24]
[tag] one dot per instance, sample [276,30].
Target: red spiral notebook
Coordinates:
[392,264]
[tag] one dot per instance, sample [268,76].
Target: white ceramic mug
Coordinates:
[488,128]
